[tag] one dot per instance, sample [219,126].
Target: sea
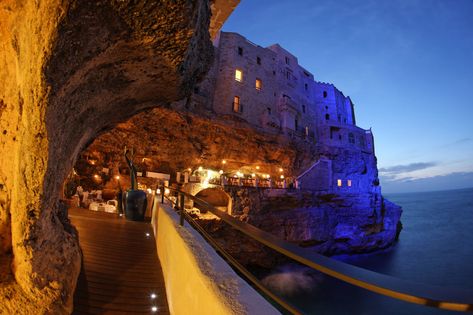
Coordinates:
[435,247]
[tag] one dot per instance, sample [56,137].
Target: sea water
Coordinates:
[435,247]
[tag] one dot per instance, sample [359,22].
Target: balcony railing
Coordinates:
[428,295]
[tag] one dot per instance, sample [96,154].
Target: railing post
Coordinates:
[181,203]
[162,194]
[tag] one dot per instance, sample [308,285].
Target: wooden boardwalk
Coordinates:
[121,273]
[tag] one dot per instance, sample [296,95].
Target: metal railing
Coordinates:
[428,295]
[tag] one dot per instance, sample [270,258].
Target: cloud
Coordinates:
[458,142]
[398,169]
[456,180]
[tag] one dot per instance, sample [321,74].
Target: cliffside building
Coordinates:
[267,88]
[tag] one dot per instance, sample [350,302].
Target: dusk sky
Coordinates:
[407,66]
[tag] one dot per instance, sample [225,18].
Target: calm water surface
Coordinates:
[435,247]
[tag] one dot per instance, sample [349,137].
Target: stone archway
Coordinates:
[70,70]
[217,197]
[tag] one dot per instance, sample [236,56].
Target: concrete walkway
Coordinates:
[121,273]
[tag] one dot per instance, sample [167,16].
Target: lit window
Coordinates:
[259,84]
[238,75]
[349,183]
[258,60]
[240,51]
[339,182]
[236,104]
[306,131]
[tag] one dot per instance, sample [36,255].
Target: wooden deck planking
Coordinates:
[120,268]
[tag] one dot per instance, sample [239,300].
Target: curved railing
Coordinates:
[428,295]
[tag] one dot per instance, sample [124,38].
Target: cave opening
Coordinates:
[180,149]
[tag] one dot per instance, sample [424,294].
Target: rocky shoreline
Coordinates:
[328,224]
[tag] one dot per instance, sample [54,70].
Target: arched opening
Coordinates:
[217,198]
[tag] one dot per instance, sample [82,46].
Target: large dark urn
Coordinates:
[135,205]
[135,199]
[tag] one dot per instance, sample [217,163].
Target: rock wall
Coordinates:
[326,223]
[68,71]
[166,140]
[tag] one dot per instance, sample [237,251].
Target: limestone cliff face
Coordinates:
[68,71]
[167,140]
[326,223]
[344,221]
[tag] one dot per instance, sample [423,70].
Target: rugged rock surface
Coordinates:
[168,141]
[68,71]
[326,223]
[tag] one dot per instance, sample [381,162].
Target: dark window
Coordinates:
[258,60]
[296,124]
[325,94]
[339,118]
[288,75]
[306,86]
[362,142]
[326,107]
[274,72]
[351,138]
[327,116]
[240,51]
[269,110]
[340,137]
[196,89]
[303,108]
[287,60]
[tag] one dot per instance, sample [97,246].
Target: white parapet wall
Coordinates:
[197,279]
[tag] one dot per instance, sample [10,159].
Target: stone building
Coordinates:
[268,89]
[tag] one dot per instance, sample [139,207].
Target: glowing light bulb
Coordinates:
[117,177]
[166,191]
[282,176]
[257,167]
[153,295]
[154,309]
[189,169]
[224,161]
[221,172]
[158,191]
[200,168]
[149,190]
[96,176]
[253,175]
[147,234]
[280,169]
